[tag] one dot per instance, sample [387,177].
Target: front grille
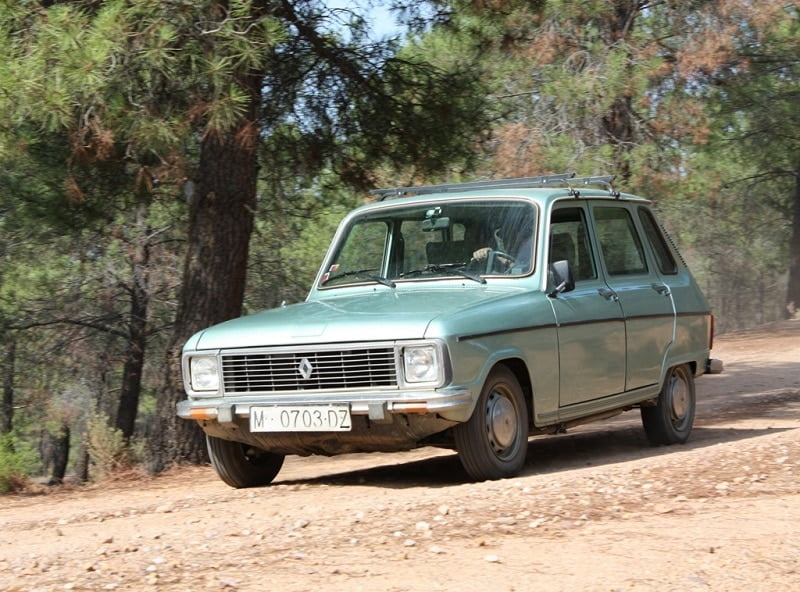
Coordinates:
[276,371]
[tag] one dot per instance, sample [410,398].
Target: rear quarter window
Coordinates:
[655,238]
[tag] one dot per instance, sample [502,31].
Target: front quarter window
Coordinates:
[361,255]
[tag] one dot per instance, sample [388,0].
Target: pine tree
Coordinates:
[208,97]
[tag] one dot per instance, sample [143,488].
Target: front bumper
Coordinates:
[401,421]
[451,404]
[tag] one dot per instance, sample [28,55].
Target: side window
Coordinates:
[664,259]
[569,241]
[622,248]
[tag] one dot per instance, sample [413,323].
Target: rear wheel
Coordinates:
[670,420]
[241,465]
[493,443]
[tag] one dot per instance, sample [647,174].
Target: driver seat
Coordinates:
[448,252]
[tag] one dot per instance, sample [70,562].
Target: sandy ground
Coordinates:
[597,509]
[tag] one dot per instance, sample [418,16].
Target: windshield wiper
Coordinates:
[451,268]
[363,274]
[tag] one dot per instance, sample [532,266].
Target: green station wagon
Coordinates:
[468,316]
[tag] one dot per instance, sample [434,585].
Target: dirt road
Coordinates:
[596,509]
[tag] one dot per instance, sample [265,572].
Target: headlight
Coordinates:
[204,374]
[422,363]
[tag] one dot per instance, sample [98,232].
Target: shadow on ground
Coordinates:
[722,403]
[546,455]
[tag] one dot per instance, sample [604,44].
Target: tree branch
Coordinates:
[87,323]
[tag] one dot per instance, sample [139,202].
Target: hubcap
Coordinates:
[679,399]
[501,419]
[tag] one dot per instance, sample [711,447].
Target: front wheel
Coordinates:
[493,443]
[670,420]
[241,465]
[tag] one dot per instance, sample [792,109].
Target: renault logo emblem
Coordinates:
[305,368]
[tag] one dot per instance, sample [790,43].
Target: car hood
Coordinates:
[376,316]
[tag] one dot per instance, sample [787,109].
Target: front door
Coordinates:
[591,327]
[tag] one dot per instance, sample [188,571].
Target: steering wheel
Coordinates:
[498,257]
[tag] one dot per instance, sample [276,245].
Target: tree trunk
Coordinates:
[619,133]
[7,408]
[137,330]
[82,466]
[220,224]
[60,447]
[793,293]
[618,123]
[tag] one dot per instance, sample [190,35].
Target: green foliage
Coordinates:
[757,103]
[18,461]
[693,103]
[289,242]
[756,127]
[130,81]
[109,105]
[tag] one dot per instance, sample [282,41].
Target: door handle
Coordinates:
[608,294]
[662,289]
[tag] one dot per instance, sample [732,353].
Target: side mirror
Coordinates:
[562,279]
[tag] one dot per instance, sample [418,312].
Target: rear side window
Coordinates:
[622,249]
[664,259]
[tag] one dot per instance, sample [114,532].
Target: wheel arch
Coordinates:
[669,366]
[520,370]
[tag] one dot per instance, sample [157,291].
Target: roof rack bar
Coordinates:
[606,180]
[542,181]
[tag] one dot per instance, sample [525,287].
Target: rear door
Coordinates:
[645,297]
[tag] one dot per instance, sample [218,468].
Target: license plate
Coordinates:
[300,418]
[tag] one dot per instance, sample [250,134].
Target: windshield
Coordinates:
[469,239]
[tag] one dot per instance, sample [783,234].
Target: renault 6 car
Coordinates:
[468,316]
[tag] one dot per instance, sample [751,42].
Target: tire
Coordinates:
[241,465]
[493,443]
[670,420]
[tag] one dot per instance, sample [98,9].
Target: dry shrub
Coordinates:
[111,455]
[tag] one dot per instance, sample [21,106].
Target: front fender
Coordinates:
[532,351]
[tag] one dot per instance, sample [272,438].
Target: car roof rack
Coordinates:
[606,181]
[565,179]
